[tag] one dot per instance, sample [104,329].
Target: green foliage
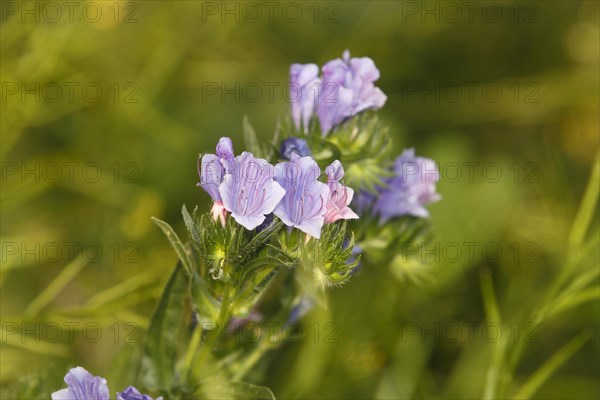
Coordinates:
[161,343]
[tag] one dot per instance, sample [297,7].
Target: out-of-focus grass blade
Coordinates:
[58,284]
[493,315]
[131,317]
[583,296]
[586,210]
[218,388]
[590,246]
[12,257]
[13,195]
[489,297]
[120,290]
[569,292]
[176,243]
[547,369]
[39,347]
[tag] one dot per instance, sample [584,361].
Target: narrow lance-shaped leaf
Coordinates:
[158,361]
[189,223]
[204,303]
[176,243]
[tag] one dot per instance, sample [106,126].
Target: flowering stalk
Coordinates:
[304,218]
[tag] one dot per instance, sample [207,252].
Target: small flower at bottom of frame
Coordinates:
[304,203]
[410,189]
[82,386]
[250,192]
[132,393]
[340,195]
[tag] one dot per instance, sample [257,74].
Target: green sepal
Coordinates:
[327,258]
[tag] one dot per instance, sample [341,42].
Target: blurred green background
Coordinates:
[106,106]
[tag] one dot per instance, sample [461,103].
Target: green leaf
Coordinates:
[176,243]
[204,303]
[189,223]
[219,388]
[158,361]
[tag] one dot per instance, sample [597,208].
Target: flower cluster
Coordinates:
[251,188]
[345,88]
[266,207]
[81,385]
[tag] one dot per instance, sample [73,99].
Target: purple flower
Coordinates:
[249,191]
[410,189]
[304,85]
[340,195]
[242,185]
[294,145]
[347,88]
[304,203]
[132,393]
[82,386]
[225,149]
[211,168]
